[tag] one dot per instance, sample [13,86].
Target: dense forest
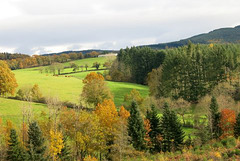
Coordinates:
[187,72]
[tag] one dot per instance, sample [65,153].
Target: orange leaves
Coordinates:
[123,113]
[228,119]
[147,127]
[93,76]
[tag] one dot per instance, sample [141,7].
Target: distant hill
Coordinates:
[84,52]
[223,35]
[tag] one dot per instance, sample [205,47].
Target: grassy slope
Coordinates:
[12,109]
[88,61]
[69,88]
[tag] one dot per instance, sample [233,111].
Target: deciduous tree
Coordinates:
[95,89]
[8,83]
[227,122]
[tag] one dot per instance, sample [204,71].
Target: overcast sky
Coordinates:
[44,26]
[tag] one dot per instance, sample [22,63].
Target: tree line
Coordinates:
[21,61]
[189,72]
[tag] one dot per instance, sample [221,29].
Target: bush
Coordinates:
[217,145]
[229,142]
[69,104]
[237,151]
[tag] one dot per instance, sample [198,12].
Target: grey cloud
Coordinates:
[108,24]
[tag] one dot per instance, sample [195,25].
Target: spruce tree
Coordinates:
[237,127]
[15,152]
[215,119]
[35,143]
[172,132]
[136,127]
[155,132]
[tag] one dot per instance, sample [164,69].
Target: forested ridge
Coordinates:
[219,36]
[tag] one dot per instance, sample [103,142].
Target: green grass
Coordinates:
[88,61]
[69,88]
[12,109]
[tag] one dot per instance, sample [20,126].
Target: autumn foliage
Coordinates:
[107,114]
[8,83]
[56,143]
[95,90]
[227,122]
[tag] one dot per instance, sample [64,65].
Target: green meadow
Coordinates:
[12,109]
[69,88]
[66,88]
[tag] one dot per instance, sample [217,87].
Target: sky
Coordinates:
[46,26]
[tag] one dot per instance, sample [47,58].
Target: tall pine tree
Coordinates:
[155,133]
[35,143]
[136,127]
[172,132]
[215,119]
[237,127]
[15,152]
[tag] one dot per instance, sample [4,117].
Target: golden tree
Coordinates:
[95,90]
[8,83]
[56,143]
[107,114]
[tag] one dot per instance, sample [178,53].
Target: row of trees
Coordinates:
[38,60]
[8,56]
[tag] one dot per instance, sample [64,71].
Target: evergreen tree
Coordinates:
[171,130]
[215,119]
[237,127]
[35,143]
[136,127]
[15,151]
[155,133]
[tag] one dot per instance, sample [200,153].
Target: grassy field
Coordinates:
[88,61]
[12,109]
[69,88]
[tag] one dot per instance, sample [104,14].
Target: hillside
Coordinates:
[223,35]
[83,52]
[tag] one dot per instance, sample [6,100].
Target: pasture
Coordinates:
[69,87]
[12,109]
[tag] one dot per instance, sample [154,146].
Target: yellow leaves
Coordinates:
[95,89]
[89,158]
[134,95]
[89,135]
[8,83]
[7,129]
[211,45]
[123,113]
[107,113]
[56,143]
[218,155]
